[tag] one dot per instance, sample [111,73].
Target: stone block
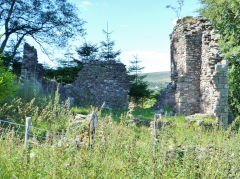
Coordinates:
[221,68]
[222,80]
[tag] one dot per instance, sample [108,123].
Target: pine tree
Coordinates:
[138,87]
[107,52]
[135,69]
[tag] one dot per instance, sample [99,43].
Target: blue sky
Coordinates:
[139,27]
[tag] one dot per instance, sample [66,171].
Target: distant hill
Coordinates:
[158,80]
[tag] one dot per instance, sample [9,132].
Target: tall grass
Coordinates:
[123,150]
[50,113]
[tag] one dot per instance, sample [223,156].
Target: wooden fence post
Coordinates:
[92,127]
[157,119]
[27,130]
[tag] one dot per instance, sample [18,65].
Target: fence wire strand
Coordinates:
[17,128]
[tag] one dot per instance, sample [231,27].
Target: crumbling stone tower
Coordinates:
[198,71]
[31,70]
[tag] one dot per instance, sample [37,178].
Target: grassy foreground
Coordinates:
[124,150]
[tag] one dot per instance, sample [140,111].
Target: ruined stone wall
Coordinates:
[214,77]
[30,69]
[97,82]
[103,82]
[198,71]
[33,72]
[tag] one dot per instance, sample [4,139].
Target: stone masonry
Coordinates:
[98,82]
[199,77]
[103,82]
[31,70]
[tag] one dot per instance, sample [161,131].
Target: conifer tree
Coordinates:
[107,53]
[138,87]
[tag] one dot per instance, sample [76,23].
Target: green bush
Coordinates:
[139,91]
[8,86]
[234,84]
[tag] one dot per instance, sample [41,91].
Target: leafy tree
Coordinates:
[14,63]
[225,16]
[138,87]
[87,52]
[107,52]
[234,83]
[45,21]
[7,86]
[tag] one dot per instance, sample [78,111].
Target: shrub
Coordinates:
[8,86]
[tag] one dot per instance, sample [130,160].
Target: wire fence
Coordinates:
[7,126]
[28,131]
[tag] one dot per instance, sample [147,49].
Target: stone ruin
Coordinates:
[98,83]
[199,73]
[31,70]
[103,82]
[33,73]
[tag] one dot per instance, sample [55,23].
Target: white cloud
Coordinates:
[153,61]
[86,3]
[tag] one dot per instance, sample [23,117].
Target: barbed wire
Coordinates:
[17,128]
[43,134]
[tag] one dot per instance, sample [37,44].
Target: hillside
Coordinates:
[158,80]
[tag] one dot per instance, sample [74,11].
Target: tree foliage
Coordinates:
[138,87]
[64,75]
[225,16]
[234,84]
[107,53]
[7,84]
[87,52]
[45,21]
[135,69]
